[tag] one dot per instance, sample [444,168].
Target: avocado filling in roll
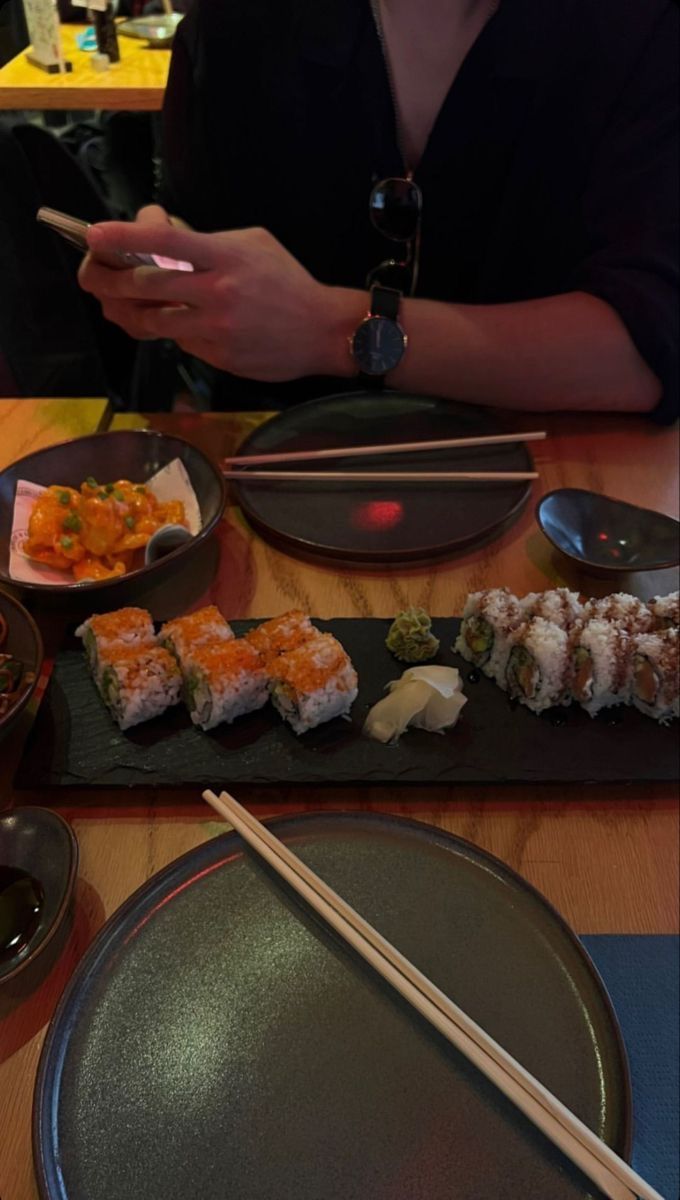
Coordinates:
[197,698]
[110,687]
[646,680]
[479,637]
[582,675]
[523,675]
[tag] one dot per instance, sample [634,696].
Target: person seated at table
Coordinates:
[530,153]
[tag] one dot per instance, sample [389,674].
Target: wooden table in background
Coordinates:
[607,858]
[136,83]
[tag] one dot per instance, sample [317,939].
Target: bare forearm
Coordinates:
[564,352]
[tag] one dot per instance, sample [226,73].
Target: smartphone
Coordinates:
[75,232]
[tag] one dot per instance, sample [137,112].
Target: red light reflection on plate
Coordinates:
[181,887]
[377,514]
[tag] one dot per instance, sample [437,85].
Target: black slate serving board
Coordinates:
[75,743]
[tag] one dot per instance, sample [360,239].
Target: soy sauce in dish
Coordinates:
[21,901]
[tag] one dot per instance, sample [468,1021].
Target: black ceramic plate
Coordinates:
[41,843]
[22,640]
[134,454]
[217,1041]
[75,743]
[391,522]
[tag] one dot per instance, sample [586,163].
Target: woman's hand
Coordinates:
[249,307]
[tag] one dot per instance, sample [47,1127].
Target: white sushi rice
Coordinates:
[549,647]
[626,611]
[226,698]
[609,648]
[306,710]
[559,605]
[665,611]
[660,650]
[503,613]
[138,689]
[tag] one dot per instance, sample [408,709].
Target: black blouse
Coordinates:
[552,166]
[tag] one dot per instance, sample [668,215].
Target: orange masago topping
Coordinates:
[314,665]
[94,531]
[227,660]
[281,634]
[122,625]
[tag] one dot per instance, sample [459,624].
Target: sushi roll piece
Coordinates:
[184,634]
[281,634]
[599,665]
[313,683]
[489,618]
[537,666]
[559,605]
[223,681]
[137,682]
[124,627]
[665,611]
[655,674]
[628,612]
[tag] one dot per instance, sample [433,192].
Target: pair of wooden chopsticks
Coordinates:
[232,468]
[609,1172]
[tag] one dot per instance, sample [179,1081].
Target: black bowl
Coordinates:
[43,844]
[23,641]
[134,454]
[608,536]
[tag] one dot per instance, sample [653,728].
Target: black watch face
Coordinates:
[378,345]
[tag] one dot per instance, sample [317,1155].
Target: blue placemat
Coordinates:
[642,976]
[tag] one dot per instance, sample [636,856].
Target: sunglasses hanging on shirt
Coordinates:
[395,207]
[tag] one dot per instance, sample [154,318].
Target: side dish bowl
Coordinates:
[20,637]
[125,454]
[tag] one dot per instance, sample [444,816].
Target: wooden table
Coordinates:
[606,858]
[136,83]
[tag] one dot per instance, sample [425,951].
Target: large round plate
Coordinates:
[218,1041]
[388,522]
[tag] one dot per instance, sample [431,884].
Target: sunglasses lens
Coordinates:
[395,206]
[391,274]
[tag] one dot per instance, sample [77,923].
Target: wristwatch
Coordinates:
[379,342]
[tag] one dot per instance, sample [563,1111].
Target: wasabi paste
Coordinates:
[410,637]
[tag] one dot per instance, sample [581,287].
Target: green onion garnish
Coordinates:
[73,522]
[141,488]
[109,488]
[118,495]
[130,522]
[67,543]
[91,481]
[64,498]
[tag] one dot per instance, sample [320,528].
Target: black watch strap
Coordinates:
[385,302]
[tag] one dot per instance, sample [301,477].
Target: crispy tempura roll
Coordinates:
[125,626]
[559,605]
[281,634]
[536,672]
[314,683]
[137,682]
[223,681]
[654,674]
[626,611]
[665,611]
[489,618]
[599,665]
[196,629]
